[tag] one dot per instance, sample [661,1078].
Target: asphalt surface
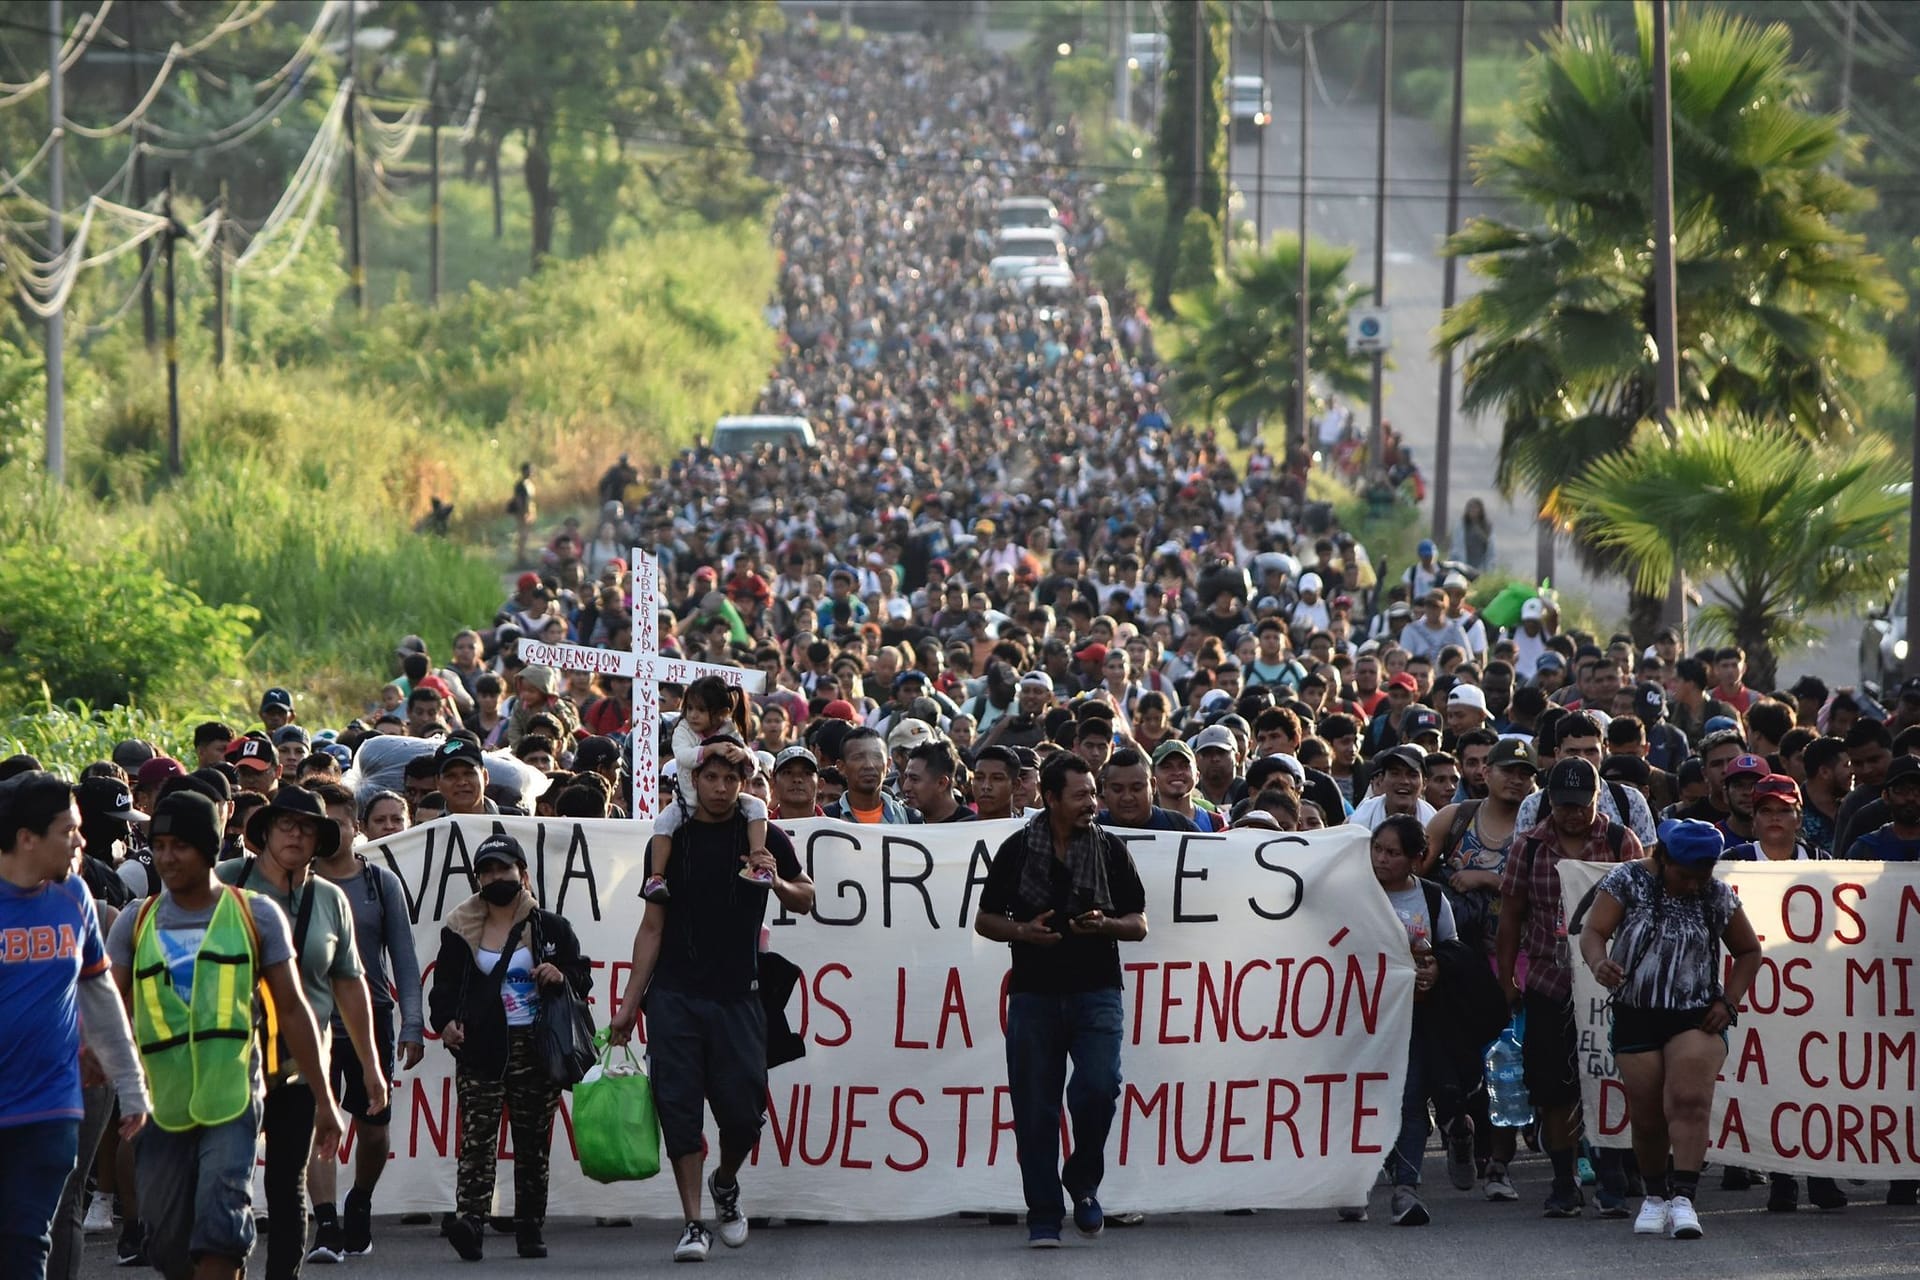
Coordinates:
[1468,1236]
[1342,148]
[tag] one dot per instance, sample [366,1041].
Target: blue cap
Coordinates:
[340,754]
[1716,723]
[1425,548]
[1691,843]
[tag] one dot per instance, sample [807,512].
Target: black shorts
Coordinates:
[1648,1030]
[707,1053]
[1547,1054]
[348,1084]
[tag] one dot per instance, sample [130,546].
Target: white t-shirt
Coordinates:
[1371,812]
[517,990]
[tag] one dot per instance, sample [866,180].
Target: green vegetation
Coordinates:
[1236,340]
[306,468]
[1193,184]
[1777,299]
[1785,532]
[70,737]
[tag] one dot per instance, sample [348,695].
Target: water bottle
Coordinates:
[1507,1102]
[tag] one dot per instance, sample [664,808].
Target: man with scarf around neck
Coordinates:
[1063,892]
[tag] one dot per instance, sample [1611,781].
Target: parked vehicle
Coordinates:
[1883,643]
[1026,212]
[1147,52]
[1248,103]
[748,432]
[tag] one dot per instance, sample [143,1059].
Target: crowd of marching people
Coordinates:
[1007,587]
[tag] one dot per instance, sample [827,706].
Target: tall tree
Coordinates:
[1777,529]
[1771,286]
[1193,153]
[1234,341]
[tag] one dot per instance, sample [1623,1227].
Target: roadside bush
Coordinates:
[118,631]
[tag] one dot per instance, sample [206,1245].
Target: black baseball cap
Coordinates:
[1902,768]
[499,847]
[457,751]
[1572,781]
[108,798]
[1650,701]
[1631,770]
[1419,720]
[595,753]
[1511,753]
[1406,755]
[276,697]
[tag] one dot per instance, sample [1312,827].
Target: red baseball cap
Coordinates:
[840,709]
[252,753]
[528,580]
[1742,766]
[1402,680]
[1095,653]
[1778,788]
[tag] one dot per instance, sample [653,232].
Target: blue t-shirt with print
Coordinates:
[49,941]
[1883,846]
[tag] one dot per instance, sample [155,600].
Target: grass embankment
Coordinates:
[285,553]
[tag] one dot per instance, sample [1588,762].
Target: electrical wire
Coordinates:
[101,328]
[69,54]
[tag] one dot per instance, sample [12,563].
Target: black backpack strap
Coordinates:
[1616,839]
[1622,802]
[1435,901]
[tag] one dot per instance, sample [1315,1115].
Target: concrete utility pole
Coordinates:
[1666,335]
[1122,73]
[1303,317]
[1443,425]
[57,242]
[1846,57]
[148,330]
[1260,152]
[1543,531]
[1913,522]
[173,342]
[1377,438]
[356,248]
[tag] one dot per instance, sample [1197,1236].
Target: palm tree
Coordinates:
[1777,529]
[1233,341]
[1771,289]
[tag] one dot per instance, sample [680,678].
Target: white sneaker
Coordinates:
[99,1216]
[1682,1222]
[1653,1217]
[1500,1187]
[694,1242]
[727,1218]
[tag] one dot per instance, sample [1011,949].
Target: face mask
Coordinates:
[500,892]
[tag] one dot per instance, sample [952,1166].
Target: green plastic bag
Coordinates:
[1504,609]
[615,1128]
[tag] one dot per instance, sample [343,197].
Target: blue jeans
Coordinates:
[35,1160]
[196,1193]
[1409,1154]
[1043,1034]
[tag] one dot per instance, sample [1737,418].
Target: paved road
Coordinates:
[1341,209]
[1742,1240]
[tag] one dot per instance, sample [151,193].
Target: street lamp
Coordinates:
[1065,50]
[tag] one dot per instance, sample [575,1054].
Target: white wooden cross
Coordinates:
[648,670]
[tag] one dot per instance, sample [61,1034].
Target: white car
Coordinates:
[1032,242]
[1146,52]
[1022,212]
[1045,277]
[1248,103]
[1883,644]
[1009,266]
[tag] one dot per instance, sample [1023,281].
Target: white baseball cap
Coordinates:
[1467,695]
[1533,610]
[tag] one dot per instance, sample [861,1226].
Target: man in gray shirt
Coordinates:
[382,932]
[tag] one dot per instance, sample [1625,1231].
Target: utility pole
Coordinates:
[1846,57]
[173,343]
[1226,194]
[148,332]
[433,188]
[57,242]
[356,248]
[1666,335]
[1377,436]
[1303,316]
[218,255]
[1199,75]
[1543,532]
[1122,73]
[1449,283]
[1260,151]
[1913,518]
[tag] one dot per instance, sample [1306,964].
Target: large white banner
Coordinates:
[1822,1069]
[1265,1044]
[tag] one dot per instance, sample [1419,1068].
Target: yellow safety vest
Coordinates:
[198,1056]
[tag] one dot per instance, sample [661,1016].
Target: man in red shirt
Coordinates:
[1729,668]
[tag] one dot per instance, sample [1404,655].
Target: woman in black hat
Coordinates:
[290,831]
[500,955]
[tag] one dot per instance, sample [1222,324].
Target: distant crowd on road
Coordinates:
[1008,586]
